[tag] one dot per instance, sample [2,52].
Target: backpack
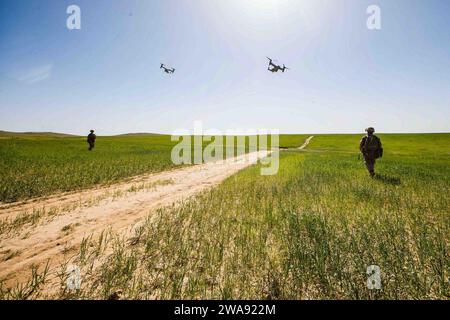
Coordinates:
[374,146]
[379,153]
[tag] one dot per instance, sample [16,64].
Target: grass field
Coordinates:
[33,165]
[309,232]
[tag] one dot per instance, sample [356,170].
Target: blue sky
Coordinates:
[106,76]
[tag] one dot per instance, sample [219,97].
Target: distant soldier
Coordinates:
[371,148]
[91,140]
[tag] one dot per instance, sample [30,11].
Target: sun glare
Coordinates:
[260,4]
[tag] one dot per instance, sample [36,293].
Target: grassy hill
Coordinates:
[33,135]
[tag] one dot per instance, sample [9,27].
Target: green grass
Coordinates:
[33,165]
[309,232]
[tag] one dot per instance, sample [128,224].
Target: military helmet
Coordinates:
[370,130]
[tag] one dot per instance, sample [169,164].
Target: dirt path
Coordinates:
[64,220]
[307,141]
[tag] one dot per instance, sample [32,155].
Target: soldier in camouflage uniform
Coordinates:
[371,148]
[91,140]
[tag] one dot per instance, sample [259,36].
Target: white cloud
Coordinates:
[36,74]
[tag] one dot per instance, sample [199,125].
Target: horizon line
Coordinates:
[169,134]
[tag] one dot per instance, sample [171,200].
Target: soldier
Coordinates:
[371,148]
[91,140]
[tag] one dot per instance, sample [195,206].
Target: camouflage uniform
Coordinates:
[91,140]
[370,146]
